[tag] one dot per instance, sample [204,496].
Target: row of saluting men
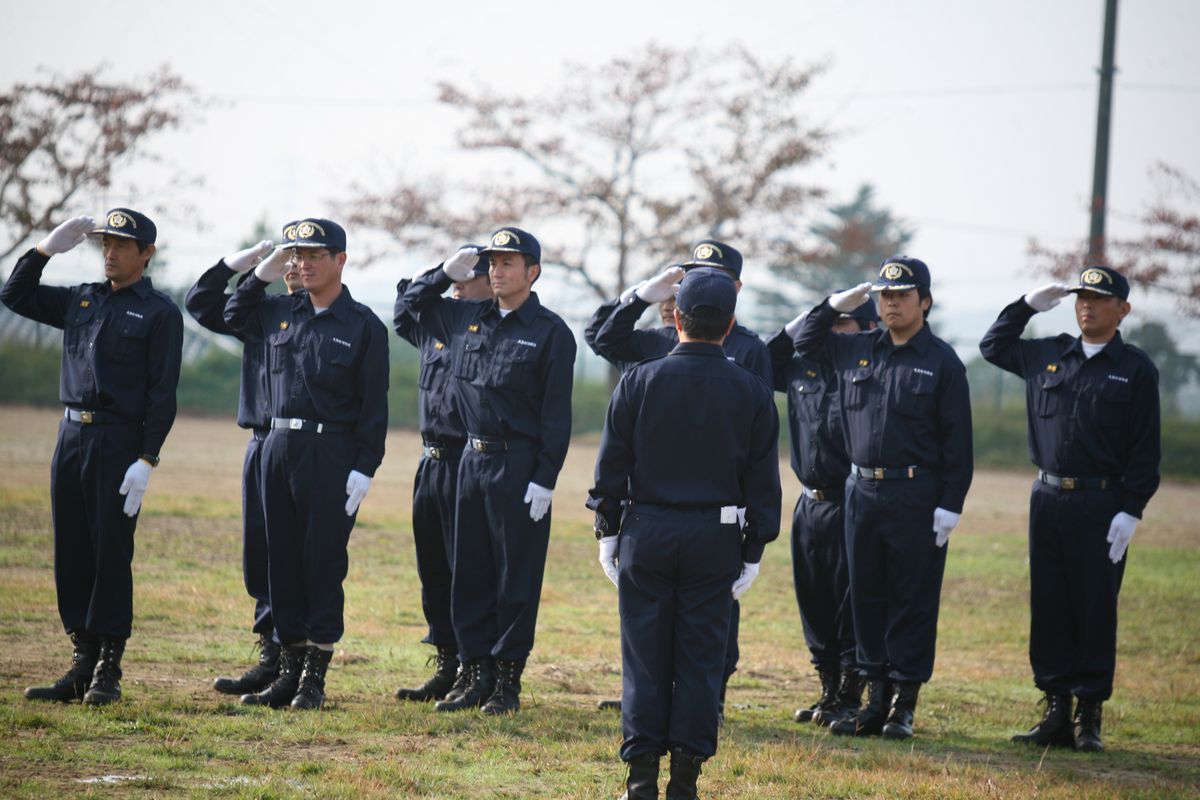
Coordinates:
[686,493]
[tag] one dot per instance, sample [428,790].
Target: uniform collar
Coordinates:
[699,349]
[526,312]
[340,308]
[142,288]
[920,341]
[1113,349]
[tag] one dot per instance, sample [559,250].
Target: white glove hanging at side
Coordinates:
[943,523]
[133,488]
[1120,532]
[357,486]
[742,584]
[538,498]
[608,557]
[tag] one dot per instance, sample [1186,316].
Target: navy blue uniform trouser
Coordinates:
[821,575]
[499,556]
[675,572]
[895,575]
[93,539]
[1073,590]
[304,495]
[434,490]
[254,536]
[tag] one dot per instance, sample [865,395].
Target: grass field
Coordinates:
[172,735]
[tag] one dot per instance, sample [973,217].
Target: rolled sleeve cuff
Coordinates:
[545,477]
[1134,505]
[752,552]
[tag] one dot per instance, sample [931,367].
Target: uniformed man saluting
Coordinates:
[122,343]
[435,487]
[688,440]
[906,410]
[612,336]
[206,302]
[328,362]
[1092,402]
[512,361]
[820,571]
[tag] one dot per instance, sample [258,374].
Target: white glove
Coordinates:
[943,523]
[137,477]
[538,498]
[628,294]
[273,266]
[461,265]
[608,557]
[244,260]
[1120,531]
[1047,297]
[749,573]
[662,286]
[793,327]
[357,485]
[850,299]
[66,236]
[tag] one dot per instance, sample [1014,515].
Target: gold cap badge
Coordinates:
[706,251]
[502,238]
[1093,276]
[289,232]
[892,271]
[117,220]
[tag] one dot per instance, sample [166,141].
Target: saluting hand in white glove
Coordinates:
[538,498]
[608,557]
[1047,297]
[850,299]
[1120,532]
[66,235]
[133,488]
[461,265]
[662,286]
[273,266]
[357,485]
[245,260]
[943,523]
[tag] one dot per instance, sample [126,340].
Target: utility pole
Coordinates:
[1096,247]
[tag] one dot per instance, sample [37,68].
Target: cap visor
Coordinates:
[892,287]
[692,264]
[110,232]
[500,250]
[1078,289]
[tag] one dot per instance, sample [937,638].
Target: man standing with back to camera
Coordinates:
[689,438]
[206,303]
[122,348]
[435,487]
[1093,409]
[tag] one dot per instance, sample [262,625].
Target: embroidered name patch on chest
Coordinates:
[921,371]
[342,342]
[526,343]
[134,314]
[1120,378]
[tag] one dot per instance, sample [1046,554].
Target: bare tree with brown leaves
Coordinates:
[1165,257]
[67,135]
[625,164]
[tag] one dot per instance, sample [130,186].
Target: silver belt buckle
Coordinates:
[295,424]
[878,473]
[86,417]
[477,444]
[1068,484]
[818,495]
[436,453]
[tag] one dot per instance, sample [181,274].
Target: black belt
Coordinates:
[683,509]
[442,450]
[296,424]
[887,473]
[823,495]
[1071,484]
[90,417]
[488,444]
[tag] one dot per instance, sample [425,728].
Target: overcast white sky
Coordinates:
[975,120]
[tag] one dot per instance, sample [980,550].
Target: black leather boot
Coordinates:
[482,677]
[257,677]
[442,681]
[1087,726]
[826,703]
[642,781]
[848,699]
[106,680]
[685,770]
[310,694]
[1054,728]
[869,720]
[74,684]
[899,723]
[462,682]
[506,697]
[280,691]
[609,705]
